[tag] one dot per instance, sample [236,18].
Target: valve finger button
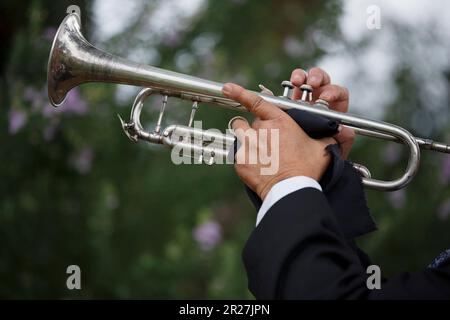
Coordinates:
[306,92]
[288,89]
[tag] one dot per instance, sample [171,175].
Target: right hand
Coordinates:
[297,154]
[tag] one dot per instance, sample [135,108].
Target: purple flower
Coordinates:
[445,169]
[30,94]
[443,211]
[397,198]
[74,104]
[82,161]
[35,97]
[49,33]
[17,120]
[208,234]
[49,111]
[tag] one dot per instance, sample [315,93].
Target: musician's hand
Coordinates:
[336,96]
[298,154]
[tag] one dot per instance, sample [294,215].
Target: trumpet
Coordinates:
[74,61]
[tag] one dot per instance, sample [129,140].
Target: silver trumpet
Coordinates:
[73,61]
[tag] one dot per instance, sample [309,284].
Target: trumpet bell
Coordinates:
[62,74]
[74,61]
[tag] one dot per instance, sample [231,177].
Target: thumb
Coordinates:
[253,102]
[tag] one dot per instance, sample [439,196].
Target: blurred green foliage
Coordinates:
[74,190]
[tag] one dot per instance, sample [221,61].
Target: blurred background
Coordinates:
[75,190]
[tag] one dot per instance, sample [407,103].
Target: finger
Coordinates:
[253,102]
[317,78]
[240,158]
[345,138]
[241,130]
[336,96]
[239,126]
[298,78]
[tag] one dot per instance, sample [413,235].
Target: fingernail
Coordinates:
[227,89]
[233,120]
[297,79]
[313,80]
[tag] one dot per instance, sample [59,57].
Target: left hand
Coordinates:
[336,96]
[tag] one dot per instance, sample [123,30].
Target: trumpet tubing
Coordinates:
[74,61]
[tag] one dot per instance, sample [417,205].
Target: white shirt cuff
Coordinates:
[282,189]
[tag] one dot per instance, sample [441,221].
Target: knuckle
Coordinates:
[256,104]
[346,92]
[334,92]
[346,135]
[340,89]
[319,72]
[351,135]
[344,89]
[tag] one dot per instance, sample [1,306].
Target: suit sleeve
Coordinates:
[298,252]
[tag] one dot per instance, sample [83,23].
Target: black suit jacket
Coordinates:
[298,252]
